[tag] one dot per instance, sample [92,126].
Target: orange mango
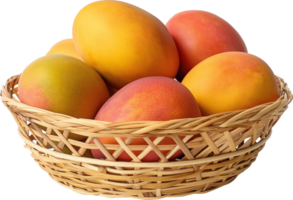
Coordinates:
[231,81]
[124,43]
[65,47]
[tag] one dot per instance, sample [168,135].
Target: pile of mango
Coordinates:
[124,64]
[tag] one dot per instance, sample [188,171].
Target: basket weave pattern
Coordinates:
[223,146]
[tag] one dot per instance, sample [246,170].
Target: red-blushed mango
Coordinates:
[152,98]
[231,81]
[65,85]
[199,35]
[65,47]
[124,43]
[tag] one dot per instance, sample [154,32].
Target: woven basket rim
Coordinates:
[6,97]
[227,145]
[145,164]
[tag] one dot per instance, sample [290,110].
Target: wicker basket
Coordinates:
[225,146]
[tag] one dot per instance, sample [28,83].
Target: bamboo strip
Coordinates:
[216,148]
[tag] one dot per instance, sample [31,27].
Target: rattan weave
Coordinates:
[225,146]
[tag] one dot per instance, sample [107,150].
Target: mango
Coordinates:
[152,98]
[65,47]
[231,81]
[64,85]
[199,35]
[124,43]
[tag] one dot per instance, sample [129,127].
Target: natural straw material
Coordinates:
[225,145]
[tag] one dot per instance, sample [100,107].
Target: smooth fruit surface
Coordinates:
[231,81]
[151,98]
[199,35]
[124,43]
[65,47]
[63,84]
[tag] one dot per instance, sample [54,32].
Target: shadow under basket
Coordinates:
[216,148]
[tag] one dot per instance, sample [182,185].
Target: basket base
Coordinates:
[146,180]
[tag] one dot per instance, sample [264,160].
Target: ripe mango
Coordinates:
[199,35]
[63,84]
[124,43]
[231,81]
[65,47]
[151,98]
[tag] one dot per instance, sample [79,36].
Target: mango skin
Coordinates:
[65,47]
[151,98]
[124,43]
[231,81]
[65,85]
[199,35]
